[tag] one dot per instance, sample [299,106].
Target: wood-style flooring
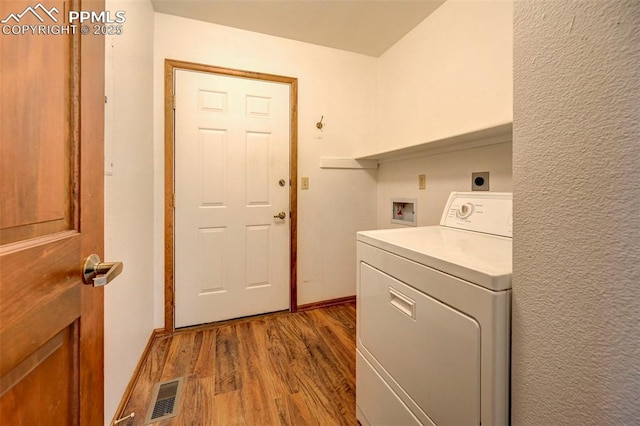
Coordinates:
[275,369]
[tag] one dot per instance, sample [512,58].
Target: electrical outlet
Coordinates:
[304,182]
[422,182]
[480,181]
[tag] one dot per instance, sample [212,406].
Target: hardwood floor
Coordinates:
[276,369]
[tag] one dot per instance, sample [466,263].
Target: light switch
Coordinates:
[304,182]
[422,182]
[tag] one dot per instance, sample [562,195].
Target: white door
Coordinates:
[231,182]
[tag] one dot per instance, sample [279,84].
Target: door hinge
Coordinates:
[105,99]
[173,201]
[174,101]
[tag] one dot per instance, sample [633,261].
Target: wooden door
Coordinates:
[51,218]
[231,183]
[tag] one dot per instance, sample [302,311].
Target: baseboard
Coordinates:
[134,378]
[327,303]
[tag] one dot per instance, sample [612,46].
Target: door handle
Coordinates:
[100,273]
[405,304]
[280,215]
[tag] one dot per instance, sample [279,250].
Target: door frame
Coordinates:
[170,67]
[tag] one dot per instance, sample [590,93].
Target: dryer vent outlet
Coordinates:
[480,181]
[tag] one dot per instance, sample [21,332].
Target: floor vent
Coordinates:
[165,403]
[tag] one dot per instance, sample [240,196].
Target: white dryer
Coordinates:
[433,321]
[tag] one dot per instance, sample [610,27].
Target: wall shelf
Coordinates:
[347,163]
[490,136]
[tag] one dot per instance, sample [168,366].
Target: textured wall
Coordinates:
[576,162]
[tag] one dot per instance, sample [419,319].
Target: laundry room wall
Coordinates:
[576,253]
[445,172]
[450,75]
[128,321]
[336,84]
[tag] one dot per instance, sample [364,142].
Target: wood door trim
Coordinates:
[170,66]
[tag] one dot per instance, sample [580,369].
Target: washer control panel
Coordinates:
[465,210]
[488,212]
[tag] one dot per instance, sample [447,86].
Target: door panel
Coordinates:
[51,336]
[39,375]
[36,108]
[258,168]
[211,166]
[34,310]
[231,150]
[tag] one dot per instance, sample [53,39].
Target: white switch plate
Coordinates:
[304,182]
[422,182]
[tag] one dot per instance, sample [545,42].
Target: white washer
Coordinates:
[433,325]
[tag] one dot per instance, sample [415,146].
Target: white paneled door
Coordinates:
[231,197]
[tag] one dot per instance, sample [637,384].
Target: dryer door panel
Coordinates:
[376,403]
[431,350]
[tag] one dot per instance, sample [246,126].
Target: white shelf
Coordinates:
[347,163]
[489,136]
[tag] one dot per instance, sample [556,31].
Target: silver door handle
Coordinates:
[100,273]
[280,215]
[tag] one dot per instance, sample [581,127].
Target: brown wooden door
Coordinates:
[51,218]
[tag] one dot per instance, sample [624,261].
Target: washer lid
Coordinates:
[483,259]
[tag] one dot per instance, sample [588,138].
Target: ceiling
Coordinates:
[369,27]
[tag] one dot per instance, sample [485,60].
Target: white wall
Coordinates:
[335,84]
[576,171]
[450,75]
[445,173]
[128,196]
